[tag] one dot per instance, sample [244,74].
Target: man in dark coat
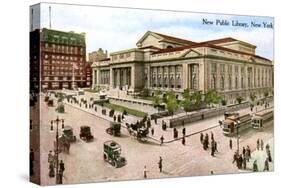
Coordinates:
[161,140]
[183,140]
[152,131]
[201,138]
[266,165]
[183,131]
[160,164]
[230,144]
[62,166]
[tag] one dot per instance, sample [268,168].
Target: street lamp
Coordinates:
[57,121]
[237,123]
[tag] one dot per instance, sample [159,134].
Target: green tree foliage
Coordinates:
[212,97]
[172,103]
[239,99]
[196,98]
[186,102]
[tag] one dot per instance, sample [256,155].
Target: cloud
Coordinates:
[116,29]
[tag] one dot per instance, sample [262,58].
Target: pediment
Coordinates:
[191,53]
[149,39]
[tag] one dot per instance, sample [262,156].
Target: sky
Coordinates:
[115,29]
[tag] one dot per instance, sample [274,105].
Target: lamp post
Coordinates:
[237,132]
[57,121]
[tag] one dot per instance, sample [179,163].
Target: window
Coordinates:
[222,67]
[213,68]
[229,82]
[222,83]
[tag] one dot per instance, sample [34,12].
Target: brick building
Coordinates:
[59,58]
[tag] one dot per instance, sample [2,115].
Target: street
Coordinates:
[85,161]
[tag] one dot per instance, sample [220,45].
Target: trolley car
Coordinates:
[237,122]
[262,117]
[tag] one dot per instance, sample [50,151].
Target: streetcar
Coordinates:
[262,117]
[236,122]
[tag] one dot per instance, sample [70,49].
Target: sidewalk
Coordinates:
[260,156]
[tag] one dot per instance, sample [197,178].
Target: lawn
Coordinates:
[149,98]
[122,108]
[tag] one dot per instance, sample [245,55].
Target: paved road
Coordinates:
[85,161]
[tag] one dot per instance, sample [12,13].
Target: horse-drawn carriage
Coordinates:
[138,131]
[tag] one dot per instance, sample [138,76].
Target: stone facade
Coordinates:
[162,62]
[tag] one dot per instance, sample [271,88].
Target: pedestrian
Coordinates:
[152,131]
[183,131]
[267,147]
[160,164]
[155,121]
[62,166]
[230,144]
[50,157]
[255,166]
[244,163]
[269,156]
[201,138]
[212,149]
[175,133]
[240,161]
[258,144]
[144,172]
[235,157]
[212,136]
[183,140]
[207,140]
[161,140]
[60,177]
[51,170]
[244,152]
[248,151]
[262,144]
[216,146]
[266,165]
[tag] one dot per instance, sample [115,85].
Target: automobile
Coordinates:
[85,133]
[112,154]
[68,133]
[114,129]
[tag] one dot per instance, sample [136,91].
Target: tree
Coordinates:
[196,97]
[186,102]
[172,103]
[156,100]
[239,99]
[212,97]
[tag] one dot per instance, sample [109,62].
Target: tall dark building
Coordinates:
[57,59]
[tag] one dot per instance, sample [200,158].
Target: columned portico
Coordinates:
[121,78]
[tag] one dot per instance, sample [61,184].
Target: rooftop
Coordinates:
[62,37]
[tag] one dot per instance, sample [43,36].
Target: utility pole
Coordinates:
[57,146]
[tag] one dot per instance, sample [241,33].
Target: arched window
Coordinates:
[169,46]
